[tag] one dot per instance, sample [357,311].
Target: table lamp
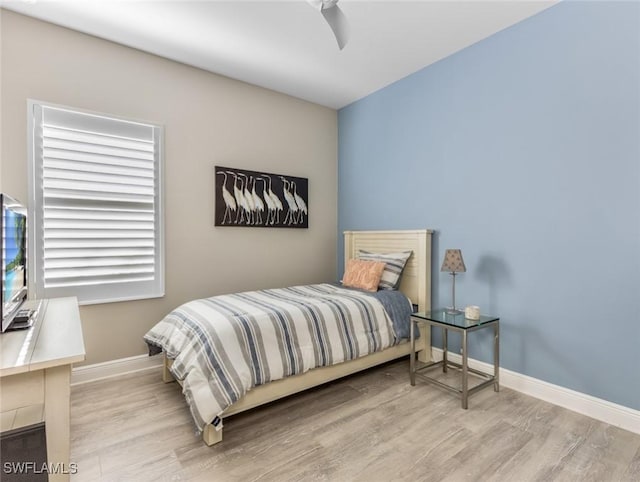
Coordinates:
[454,264]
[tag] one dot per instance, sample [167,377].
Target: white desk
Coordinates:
[35,374]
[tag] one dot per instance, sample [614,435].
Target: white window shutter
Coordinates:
[97,217]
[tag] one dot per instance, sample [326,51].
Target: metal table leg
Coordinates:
[465,371]
[496,356]
[445,344]
[412,357]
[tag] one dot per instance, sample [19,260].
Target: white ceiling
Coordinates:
[286,45]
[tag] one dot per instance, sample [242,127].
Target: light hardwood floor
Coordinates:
[372,426]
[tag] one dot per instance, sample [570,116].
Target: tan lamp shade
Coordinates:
[453,262]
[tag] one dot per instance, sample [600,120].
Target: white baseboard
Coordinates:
[612,413]
[114,368]
[603,410]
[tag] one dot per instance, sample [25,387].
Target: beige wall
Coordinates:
[208,120]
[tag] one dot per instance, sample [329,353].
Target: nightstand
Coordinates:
[455,322]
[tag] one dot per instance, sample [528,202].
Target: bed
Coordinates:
[211,402]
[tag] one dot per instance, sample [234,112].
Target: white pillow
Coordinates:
[394,264]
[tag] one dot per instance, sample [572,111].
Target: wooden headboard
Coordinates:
[416,277]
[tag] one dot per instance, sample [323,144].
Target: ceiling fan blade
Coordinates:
[320,4]
[317,4]
[338,23]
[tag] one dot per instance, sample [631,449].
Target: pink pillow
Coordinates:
[363,274]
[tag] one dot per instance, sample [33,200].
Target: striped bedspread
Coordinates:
[226,345]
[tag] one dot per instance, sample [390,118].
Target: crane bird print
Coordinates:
[260,199]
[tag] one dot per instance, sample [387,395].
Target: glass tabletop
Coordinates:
[444,316]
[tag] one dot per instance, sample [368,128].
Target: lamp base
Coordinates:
[454,311]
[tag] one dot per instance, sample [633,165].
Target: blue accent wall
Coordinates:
[523,150]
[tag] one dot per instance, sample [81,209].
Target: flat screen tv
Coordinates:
[13,229]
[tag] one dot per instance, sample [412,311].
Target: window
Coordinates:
[95,209]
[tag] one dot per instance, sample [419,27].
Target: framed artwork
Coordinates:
[260,200]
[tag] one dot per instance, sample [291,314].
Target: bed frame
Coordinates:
[416,284]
